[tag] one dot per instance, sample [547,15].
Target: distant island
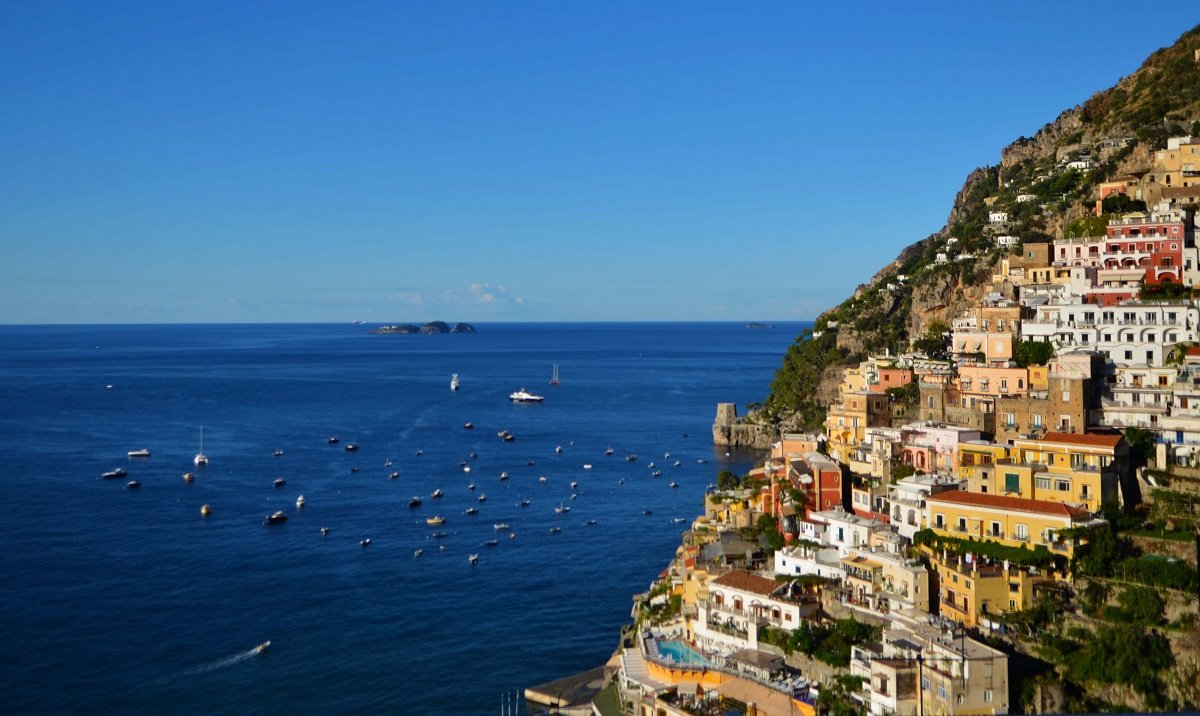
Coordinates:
[754,324]
[428,328]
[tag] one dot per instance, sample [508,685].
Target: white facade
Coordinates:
[1007,241]
[906,500]
[997,217]
[1131,333]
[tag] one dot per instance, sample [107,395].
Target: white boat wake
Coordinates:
[225,661]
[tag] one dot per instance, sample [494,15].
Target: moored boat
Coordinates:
[414,502]
[114,474]
[435,521]
[524,396]
[132,485]
[277,518]
[144,452]
[205,510]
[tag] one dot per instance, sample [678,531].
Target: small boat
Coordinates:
[502,433]
[201,458]
[591,523]
[573,496]
[435,521]
[418,552]
[482,497]
[555,530]
[471,511]
[587,466]
[608,451]
[394,475]
[468,426]
[472,559]
[439,535]
[420,452]
[188,477]
[454,381]
[504,476]
[666,454]
[574,485]
[132,485]
[509,438]
[554,375]
[558,448]
[414,502]
[261,648]
[300,502]
[647,512]
[542,478]
[353,470]
[471,486]
[680,519]
[324,531]
[621,481]
[631,457]
[474,455]
[674,484]
[365,542]
[278,452]
[387,463]
[701,461]
[466,468]
[205,510]
[525,503]
[562,508]
[333,440]
[491,543]
[656,473]
[529,463]
[351,447]
[502,526]
[436,493]
[280,482]
[276,519]
[651,465]
[144,452]
[678,463]
[524,396]
[114,474]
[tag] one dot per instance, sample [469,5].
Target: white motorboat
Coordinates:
[261,647]
[454,382]
[524,396]
[300,502]
[144,452]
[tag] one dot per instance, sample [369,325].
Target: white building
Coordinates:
[1007,241]
[906,500]
[1130,333]
[738,602]
[997,217]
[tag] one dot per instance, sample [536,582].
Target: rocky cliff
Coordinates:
[932,280]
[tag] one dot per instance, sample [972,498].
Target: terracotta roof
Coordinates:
[747,582]
[1179,192]
[1088,439]
[1003,502]
[1192,351]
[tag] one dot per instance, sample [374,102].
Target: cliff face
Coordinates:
[933,280]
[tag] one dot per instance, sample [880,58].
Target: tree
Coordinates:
[934,341]
[1027,353]
[1117,203]
[1141,445]
[726,480]
[1142,605]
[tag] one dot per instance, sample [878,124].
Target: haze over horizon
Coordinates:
[305,162]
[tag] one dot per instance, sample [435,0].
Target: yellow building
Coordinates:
[969,591]
[978,453]
[1012,521]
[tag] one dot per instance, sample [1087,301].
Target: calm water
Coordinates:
[120,601]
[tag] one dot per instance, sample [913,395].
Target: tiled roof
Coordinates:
[1003,502]
[747,582]
[1088,439]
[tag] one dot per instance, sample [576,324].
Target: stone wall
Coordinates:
[731,431]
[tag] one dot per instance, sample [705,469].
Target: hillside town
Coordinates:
[1017,487]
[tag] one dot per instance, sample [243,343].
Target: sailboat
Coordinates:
[201,458]
[454,381]
[554,375]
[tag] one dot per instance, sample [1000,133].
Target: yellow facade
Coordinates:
[971,592]
[1006,522]
[972,455]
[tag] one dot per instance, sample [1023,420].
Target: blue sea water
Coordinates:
[130,602]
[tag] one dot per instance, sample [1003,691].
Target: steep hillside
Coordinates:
[1113,133]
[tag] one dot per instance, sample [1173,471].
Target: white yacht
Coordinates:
[454,382]
[201,458]
[524,396]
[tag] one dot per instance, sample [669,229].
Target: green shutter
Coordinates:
[1012,482]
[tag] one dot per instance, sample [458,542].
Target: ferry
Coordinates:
[524,396]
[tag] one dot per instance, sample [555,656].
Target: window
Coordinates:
[1014,587]
[1010,420]
[1012,482]
[939,521]
[1066,396]
[942,692]
[962,524]
[1037,421]
[1062,485]
[924,683]
[1021,533]
[987,696]
[1041,483]
[995,530]
[1128,355]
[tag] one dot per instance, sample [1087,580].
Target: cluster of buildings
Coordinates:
[948,491]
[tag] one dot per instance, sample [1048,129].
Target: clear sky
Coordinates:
[509,161]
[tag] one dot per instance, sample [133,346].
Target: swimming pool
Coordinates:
[681,653]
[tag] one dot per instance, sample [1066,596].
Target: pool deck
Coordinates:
[569,692]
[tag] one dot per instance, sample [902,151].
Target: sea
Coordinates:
[129,601]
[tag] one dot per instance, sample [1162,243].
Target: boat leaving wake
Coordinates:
[228,660]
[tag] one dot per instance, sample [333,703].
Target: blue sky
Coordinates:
[509,161]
